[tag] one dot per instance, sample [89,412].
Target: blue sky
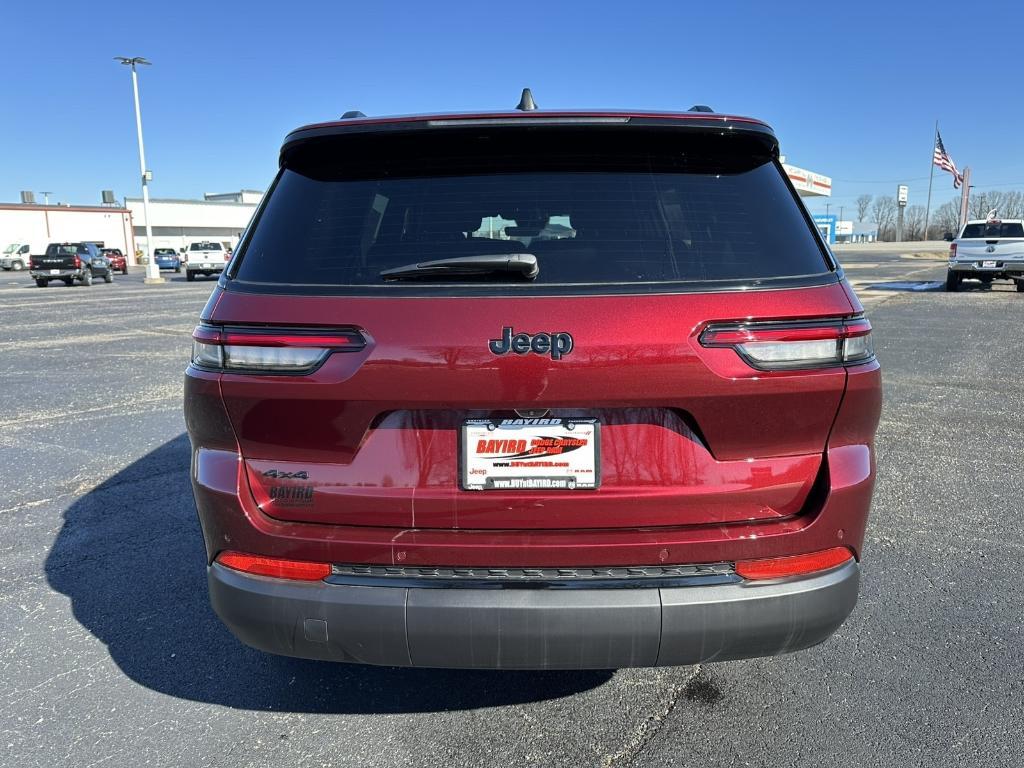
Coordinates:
[852,89]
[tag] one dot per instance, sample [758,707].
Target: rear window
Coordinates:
[595,208]
[205,247]
[993,230]
[68,249]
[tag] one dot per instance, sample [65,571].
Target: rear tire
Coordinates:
[190,276]
[177,270]
[124,271]
[109,277]
[17,266]
[953,280]
[1020,285]
[41,282]
[87,277]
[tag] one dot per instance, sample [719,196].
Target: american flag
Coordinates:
[945,162]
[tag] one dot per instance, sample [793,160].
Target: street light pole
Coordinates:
[152,270]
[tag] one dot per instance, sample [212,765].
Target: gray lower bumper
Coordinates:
[1014,268]
[520,628]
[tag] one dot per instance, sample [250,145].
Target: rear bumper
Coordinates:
[523,628]
[1008,268]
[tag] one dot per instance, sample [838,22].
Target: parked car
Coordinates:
[205,258]
[118,261]
[16,256]
[70,262]
[167,258]
[986,250]
[646,438]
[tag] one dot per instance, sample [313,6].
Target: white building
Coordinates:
[39,225]
[219,217]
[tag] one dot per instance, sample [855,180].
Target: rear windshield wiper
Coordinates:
[520,264]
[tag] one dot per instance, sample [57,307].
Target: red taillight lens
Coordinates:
[797,345]
[31,264]
[952,251]
[78,263]
[793,565]
[277,567]
[267,350]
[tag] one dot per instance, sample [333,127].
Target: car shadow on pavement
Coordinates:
[130,557]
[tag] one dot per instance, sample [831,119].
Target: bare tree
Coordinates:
[1013,205]
[863,203]
[980,205]
[883,211]
[1007,205]
[913,222]
[947,217]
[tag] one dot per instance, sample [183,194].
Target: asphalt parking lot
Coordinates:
[110,653]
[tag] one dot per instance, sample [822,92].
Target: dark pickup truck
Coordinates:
[70,262]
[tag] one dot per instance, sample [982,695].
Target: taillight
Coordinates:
[952,251]
[793,565]
[277,567]
[798,345]
[270,350]
[78,263]
[31,264]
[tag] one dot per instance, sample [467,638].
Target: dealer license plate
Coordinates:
[531,454]
[54,271]
[988,265]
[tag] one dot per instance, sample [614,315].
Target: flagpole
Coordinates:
[931,175]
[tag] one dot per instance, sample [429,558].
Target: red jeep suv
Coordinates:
[533,389]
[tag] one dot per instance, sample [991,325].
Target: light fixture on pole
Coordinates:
[152,270]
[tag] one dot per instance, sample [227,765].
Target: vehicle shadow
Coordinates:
[130,557]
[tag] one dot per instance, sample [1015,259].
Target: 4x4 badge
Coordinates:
[557,344]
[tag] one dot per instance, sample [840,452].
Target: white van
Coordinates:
[15,256]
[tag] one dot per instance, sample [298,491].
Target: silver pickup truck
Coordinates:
[987,249]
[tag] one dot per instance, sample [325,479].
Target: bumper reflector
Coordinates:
[278,568]
[793,565]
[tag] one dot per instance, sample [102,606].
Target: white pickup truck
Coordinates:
[205,258]
[987,249]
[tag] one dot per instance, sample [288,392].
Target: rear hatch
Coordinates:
[582,397]
[994,240]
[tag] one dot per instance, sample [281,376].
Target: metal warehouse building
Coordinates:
[38,225]
[176,223]
[219,217]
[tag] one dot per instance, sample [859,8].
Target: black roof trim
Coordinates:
[621,120]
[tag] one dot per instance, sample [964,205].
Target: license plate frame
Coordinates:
[54,271]
[988,264]
[548,445]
